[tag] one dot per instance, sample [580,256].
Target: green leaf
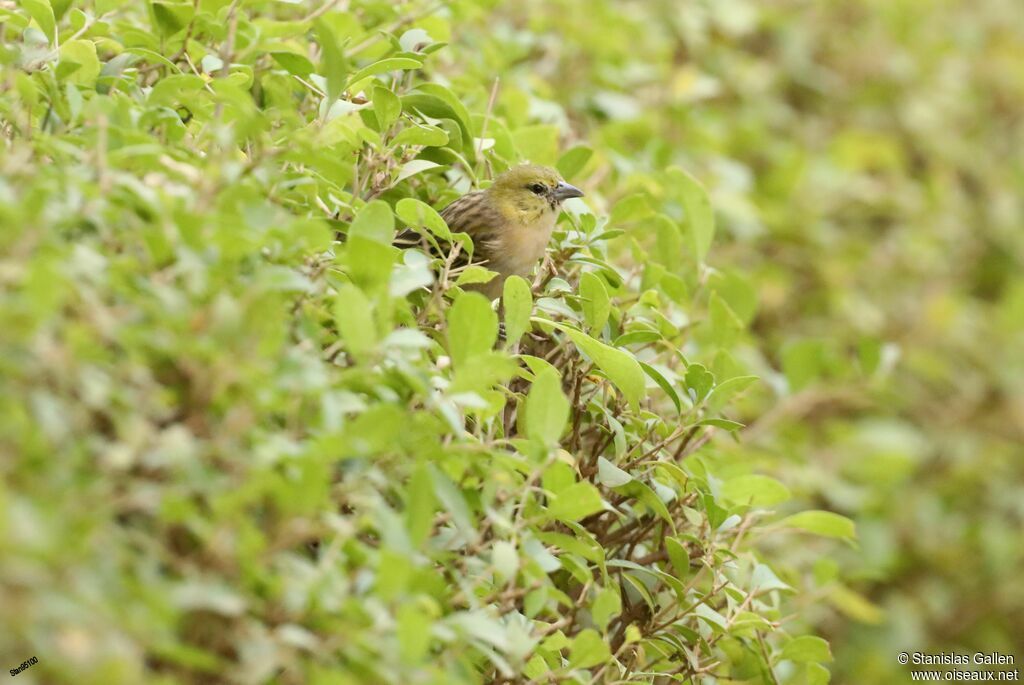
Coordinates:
[728,389]
[427,136]
[620,367]
[437,102]
[630,208]
[725,325]
[414,632]
[607,604]
[547,409]
[577,501]
[517,301]
[387,108]
[42,12]
[803,362]
[816,674]
[825,523]
[537,144]
[663,383]
[711,617]
[83,54]
[700,218]
[474,274]
[679,556]
[416,213]
[595,301]
[451,497]
[389,64]
[807,648]
[588,649]
[669,242]
[414,167]
[763,578]
[699,380]
[333,65]
[505,559]
[573,161]
[610,475]
[725,424]
[294,63]
[171,17]
[368,261]
[755,490]
[638,338]
[419,506]
[374,221]
[354,316]
[472,328]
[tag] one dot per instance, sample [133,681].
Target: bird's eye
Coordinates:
[537,188]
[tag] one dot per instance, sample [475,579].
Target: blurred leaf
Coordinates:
[472,327]
[83,54]
[573,161]
[824,523]
[333,65]
[353,314]
[755,490]
[700,218]
[577,501]
[517,302]
[806,648]
[387,107]
[537,144]
[606,605]
[374,221]
[474,274]
[547,409]
[42,12]
[171,17]
[294,63]
[430,136]
[595,301]
[587,649]
[389,64]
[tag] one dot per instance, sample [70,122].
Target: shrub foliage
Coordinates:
[246,440]
[248,451]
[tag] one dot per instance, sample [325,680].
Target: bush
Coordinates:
[252,442]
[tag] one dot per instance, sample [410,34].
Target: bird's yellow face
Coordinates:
[529,193]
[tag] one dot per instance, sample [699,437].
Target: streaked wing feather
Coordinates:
[469,214]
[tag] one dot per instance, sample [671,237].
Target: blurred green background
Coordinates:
[866,160]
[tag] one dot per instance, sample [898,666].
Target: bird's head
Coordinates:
[528,192]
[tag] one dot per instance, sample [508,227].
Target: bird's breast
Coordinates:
[527,243]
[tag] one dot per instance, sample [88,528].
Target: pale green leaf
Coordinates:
[700,218]
[825,523]
[472,327]
[754,490]
[588,649]
[547,409]
[807,648]
[517,302]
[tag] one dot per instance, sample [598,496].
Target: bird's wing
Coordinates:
[470,214]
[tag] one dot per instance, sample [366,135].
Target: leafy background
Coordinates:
[237,450]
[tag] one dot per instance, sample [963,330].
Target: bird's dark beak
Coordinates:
[564,191]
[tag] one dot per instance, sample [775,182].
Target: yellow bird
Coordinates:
[510,222]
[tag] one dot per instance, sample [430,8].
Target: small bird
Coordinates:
[510,222]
